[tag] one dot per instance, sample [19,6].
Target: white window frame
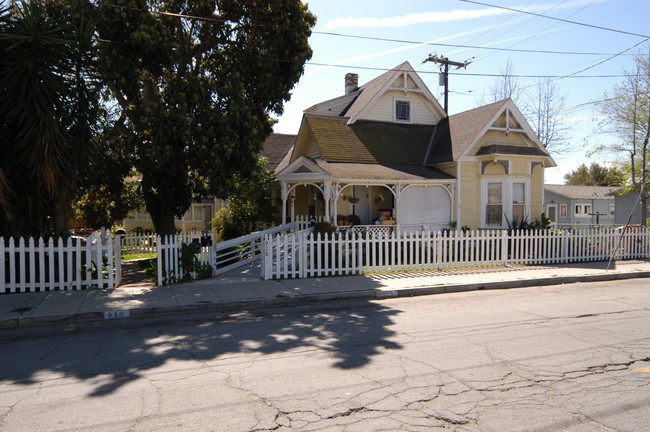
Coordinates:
[410,110]
[612,209]
[506,197]
[564,211]
[582,210]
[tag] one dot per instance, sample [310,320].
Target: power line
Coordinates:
[463,74]
[557,19]
[214,19]
[458,45]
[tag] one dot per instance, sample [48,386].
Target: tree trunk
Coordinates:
[161,212]
[61,216]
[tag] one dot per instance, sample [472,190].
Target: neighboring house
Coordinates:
[198,218]
[387,149]
[201,212]
[628,208]
[580,206]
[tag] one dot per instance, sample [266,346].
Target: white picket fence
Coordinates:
[222,257]
[169,251]
[133,243]
[33,265]
[305,254]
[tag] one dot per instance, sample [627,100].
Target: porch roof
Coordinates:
[382,172]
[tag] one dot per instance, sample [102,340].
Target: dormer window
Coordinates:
[403,110]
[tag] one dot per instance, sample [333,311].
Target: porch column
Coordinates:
[398,194]
[292,199]
[284,194]
[327,198]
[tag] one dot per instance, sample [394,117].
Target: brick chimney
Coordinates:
[351,82]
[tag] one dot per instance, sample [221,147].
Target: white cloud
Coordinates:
[410,19]
[350,60]
[443,16]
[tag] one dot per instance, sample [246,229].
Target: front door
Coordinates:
[551,213]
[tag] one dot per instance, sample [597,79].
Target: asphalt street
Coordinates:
[570,357]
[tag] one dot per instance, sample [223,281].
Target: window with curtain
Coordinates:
[518,202]
[494,209]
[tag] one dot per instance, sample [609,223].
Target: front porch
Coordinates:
[370,206]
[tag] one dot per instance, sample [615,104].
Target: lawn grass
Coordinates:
[137,256]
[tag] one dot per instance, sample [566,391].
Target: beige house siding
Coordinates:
[537,193]
[193,220]
[497,137]
[470,190]
[494,170]
[520,167]
[383,108]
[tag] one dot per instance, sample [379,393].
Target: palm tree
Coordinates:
[47,108]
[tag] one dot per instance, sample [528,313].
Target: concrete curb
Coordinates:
[252,304]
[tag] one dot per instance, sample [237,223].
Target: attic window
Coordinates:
[403,110]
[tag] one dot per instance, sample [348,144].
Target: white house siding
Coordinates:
[383,108]
[424,204]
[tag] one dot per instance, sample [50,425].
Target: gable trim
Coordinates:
[405,70]
[509,108]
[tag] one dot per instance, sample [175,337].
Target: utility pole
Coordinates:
[444,69]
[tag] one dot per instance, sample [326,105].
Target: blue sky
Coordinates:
[597,59]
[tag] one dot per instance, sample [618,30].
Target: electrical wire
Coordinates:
[557,19]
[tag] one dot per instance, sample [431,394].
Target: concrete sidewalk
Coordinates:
[242,291]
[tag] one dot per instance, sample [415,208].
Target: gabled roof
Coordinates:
[394,143]
[373,89]
[583,192]
[455,134]
[510,150]
[467,127]
[370,90]
[455,138]
[379,172]
[275,149]
[337,141]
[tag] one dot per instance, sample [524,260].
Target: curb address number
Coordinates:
[116,314]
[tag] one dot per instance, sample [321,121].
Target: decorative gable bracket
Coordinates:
[505,163]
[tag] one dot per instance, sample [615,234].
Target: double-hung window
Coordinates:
[494,208]
[518,202]
[403,110]
[504,201]
[582,210]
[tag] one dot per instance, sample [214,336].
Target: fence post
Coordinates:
[117,250]
[302,255]
[267,248]
[504,247]
[159,261]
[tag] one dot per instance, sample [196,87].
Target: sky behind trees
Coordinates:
[585,49]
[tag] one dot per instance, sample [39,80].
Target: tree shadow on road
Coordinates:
[121,352]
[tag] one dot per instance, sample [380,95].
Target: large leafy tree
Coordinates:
[252,200]
[595,175]
[626,113]
[47,109]
[195,84]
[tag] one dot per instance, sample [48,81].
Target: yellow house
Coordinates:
[387,153]
[196,219]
